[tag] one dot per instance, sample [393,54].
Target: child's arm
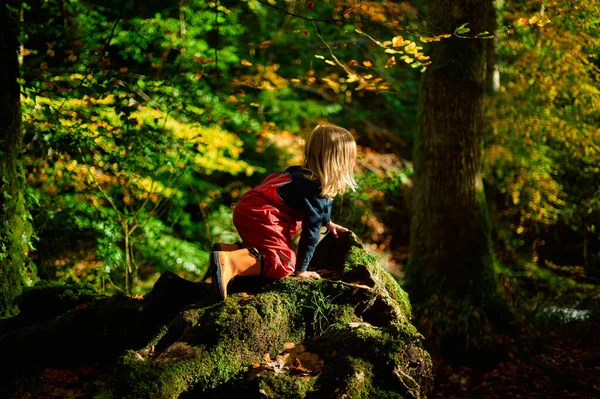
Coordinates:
[336,229]
[307,274]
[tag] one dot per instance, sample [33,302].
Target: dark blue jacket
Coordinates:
[303,194]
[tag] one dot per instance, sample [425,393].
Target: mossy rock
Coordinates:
[347,335]
[356,320]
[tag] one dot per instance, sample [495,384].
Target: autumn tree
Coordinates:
[15,228]
[451,273]
[543,150]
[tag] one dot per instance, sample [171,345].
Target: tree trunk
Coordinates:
[15,228]
[492,73]
[450,276]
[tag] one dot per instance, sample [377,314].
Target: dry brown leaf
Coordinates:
[256,371]
[278,366]
[288,346]
[359,324]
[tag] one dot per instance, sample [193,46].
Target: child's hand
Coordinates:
[307,274]
[336,229]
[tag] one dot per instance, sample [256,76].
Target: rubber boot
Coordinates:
[229,264]
[220,246]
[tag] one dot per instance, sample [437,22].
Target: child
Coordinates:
[268,216]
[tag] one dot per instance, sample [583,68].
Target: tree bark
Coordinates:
[492,74]
[450,275]
[15,228]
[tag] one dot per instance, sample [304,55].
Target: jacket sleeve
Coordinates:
[327,214]
[312,220]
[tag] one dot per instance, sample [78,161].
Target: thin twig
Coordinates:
[198,200]
[348,70]
[102,191]
[114,285]
[217,39]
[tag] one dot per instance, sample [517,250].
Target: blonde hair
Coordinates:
[330,154]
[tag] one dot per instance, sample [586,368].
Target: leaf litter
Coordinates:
[293,360]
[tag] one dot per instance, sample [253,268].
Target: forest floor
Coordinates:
[564,364]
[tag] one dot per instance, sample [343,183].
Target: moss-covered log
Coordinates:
[179,342]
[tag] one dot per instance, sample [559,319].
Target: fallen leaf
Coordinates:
[256,371]
[288,346]
[359,324]
[305,356]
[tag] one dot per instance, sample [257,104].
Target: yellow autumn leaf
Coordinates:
[429,39]
[246,63]
[411,48]
[368,64]
[329,62]
[398,41]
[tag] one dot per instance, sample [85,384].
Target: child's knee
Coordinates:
[279,263]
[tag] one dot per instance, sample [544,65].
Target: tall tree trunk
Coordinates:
[492,70]
[15,228]
[451,276]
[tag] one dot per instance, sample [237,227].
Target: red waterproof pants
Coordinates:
[267,224]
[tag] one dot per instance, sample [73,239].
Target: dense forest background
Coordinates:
[143,122]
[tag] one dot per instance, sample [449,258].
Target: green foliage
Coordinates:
[145,123]
[544,150]
[378,209]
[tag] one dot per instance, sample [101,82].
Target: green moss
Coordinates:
[16,270]
[228,337]
[272,385]
[396,293]
[360,265]
[347,376]
[358,258]
[68,294]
